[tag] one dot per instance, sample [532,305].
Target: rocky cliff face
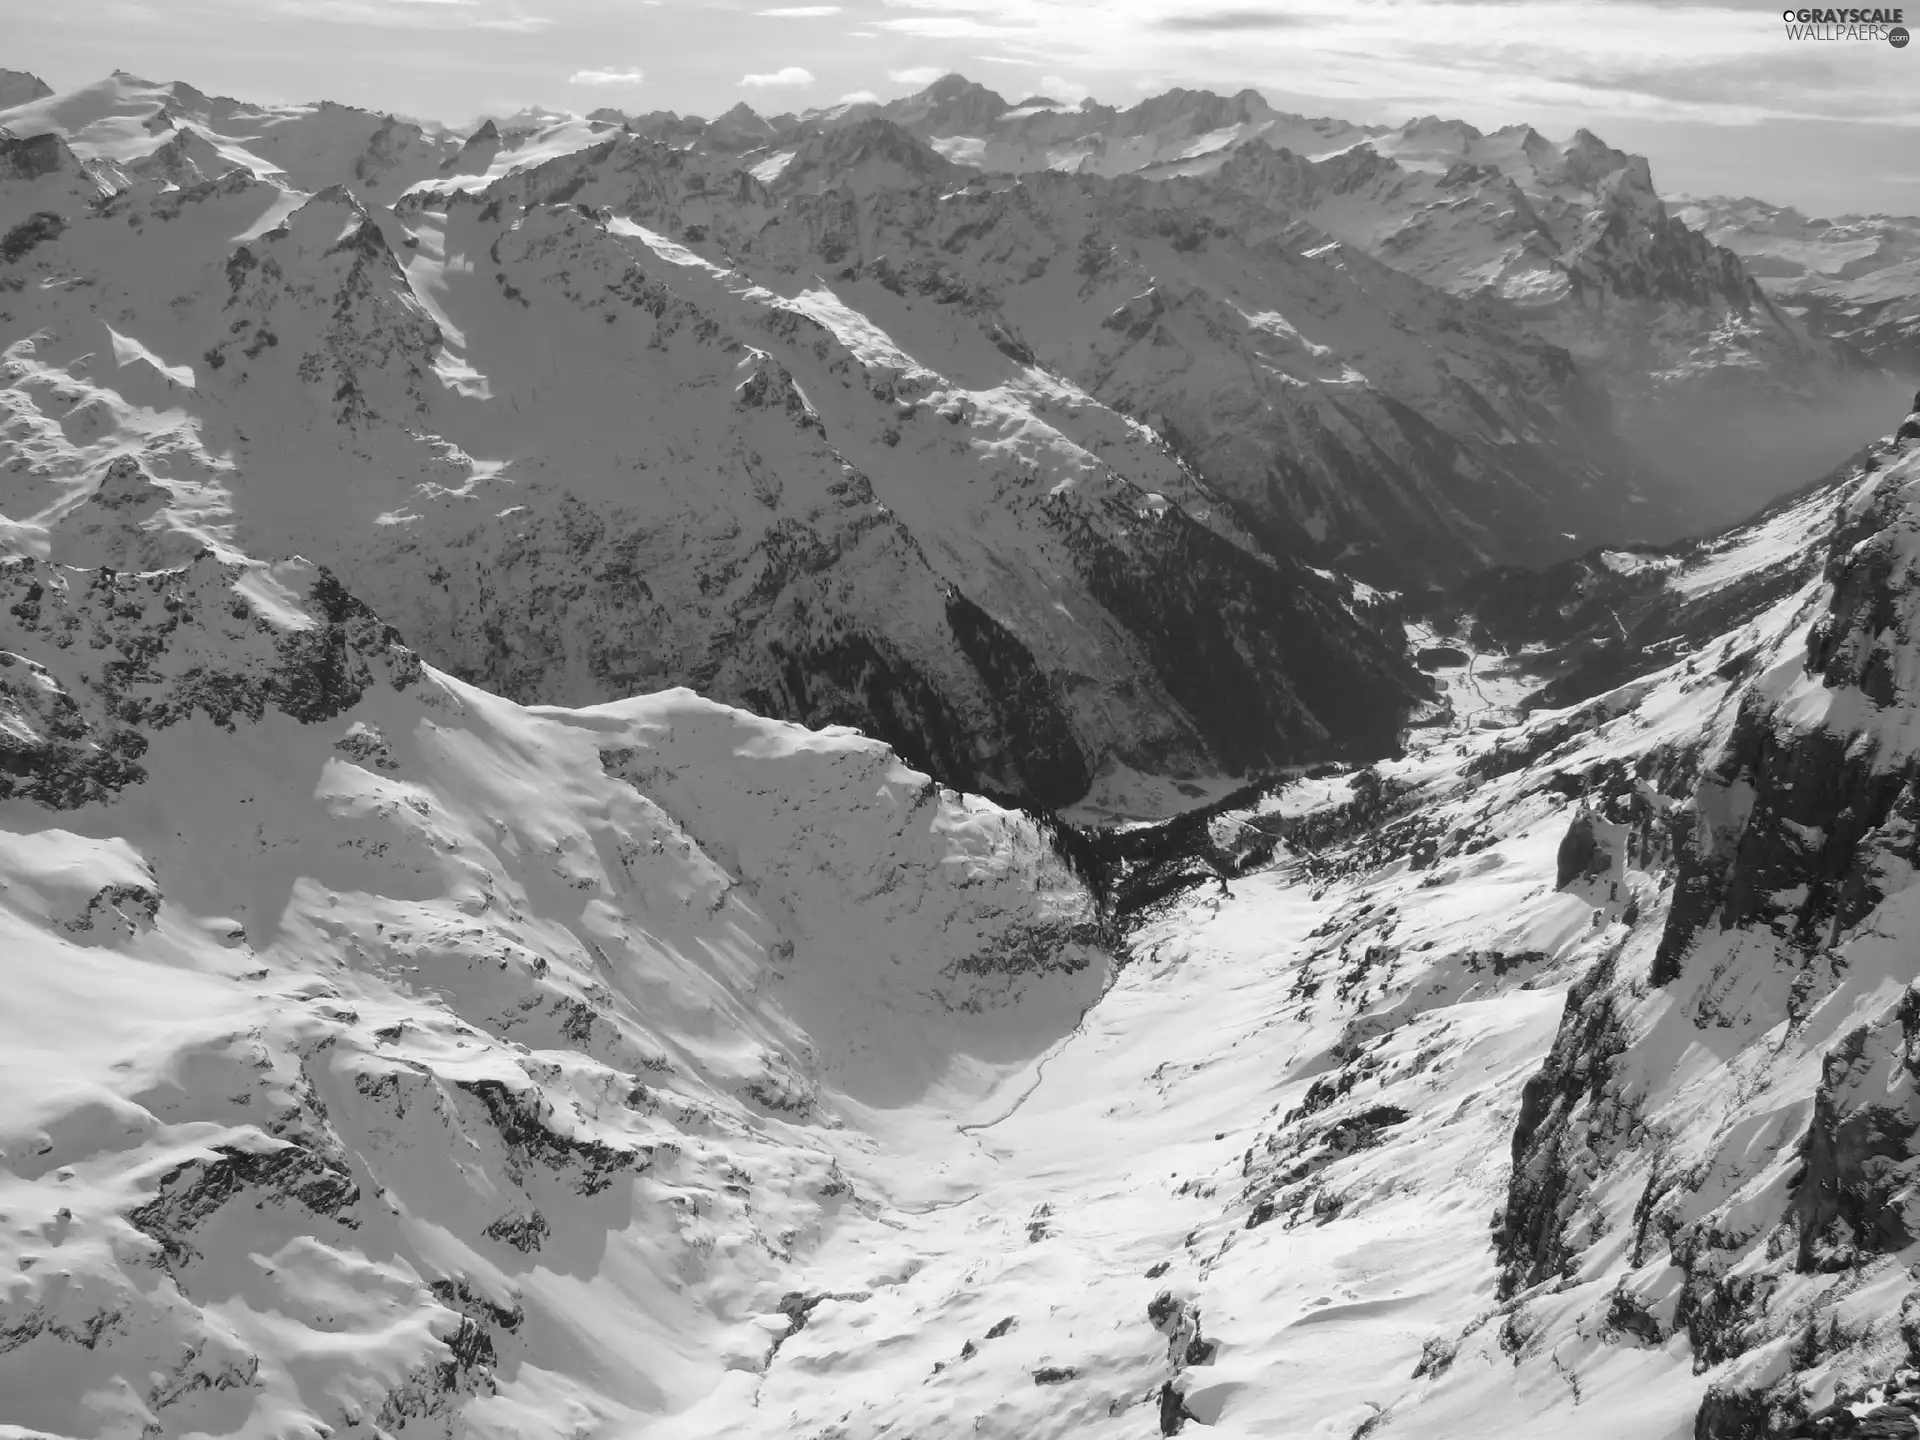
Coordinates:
[1771,1213]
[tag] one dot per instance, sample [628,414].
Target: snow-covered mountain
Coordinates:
[1026,478]
[387,1054]
[1854,277]
[383,1051]
[381,1054]
[1572,236]
[584,460]
[1569,239]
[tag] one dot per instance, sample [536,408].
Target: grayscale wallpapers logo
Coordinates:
[1872,25]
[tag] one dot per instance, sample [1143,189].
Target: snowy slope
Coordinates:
[123,119]
[380,1053]
[1251,1193]
[653,1069]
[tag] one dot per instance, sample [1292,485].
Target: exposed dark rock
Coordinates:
[1581,855]
[1731,1415]
[279,1171]
[1626,1313]
[1049,763]
[1805,812]
[100,1327]
[433,1388]
[1846,1200]
[1173,1409]
[1436,1358]
[798,1306]
[459,1294]
[37,228]
[1262,657]
[1578,1070]
[367,745]
[32,156]
[1794,835]
[523,1232]
[522,1115]
[176,642]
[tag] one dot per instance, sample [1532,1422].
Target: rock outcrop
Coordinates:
[1787,950]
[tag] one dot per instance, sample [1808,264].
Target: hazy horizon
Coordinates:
[1716,96]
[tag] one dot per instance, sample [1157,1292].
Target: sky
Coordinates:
[1717,95]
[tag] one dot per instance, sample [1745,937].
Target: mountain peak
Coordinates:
[32,156]
[1589,148]
[18,87]
[874,148]
[1432,126]
[952,87]
[951,101]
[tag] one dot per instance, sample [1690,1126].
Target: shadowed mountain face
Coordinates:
[587,458]
[1201,361]
[1732,390]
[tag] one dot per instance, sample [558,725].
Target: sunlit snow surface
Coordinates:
[762,992]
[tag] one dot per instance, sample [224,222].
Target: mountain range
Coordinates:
[945,768]
[1170,412]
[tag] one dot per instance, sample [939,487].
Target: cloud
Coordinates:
[799,12]
[1207,21]
[918,75]
[1057,88]
[858,97]
[606,77]
[365,12]
[947,27]
[788,75]
[445,16]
